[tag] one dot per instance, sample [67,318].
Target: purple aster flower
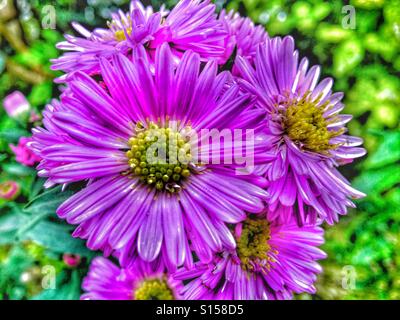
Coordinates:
[125,31]
[243,35]
[134,204]
[306,132]
[144,281]
[191,25]
[271,261]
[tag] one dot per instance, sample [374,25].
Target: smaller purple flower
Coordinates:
[307,135]
[16,105]
[9,190]
[126,31]
[144,281]
[243,35]
[23,154]
[271,261]
[191,25]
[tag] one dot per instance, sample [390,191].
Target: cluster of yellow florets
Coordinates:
[159,156]
[154,289]
[305,124]
[252,246]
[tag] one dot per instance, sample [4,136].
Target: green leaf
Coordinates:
[12,135]
[54,236]
[332,33]
[41,94]
[36,187]
[387,153]
[32,223]
[3,156]
[57,237]
[50,35]
[9,224]
[17,169]
[347,56]
[47,202]
[377,181]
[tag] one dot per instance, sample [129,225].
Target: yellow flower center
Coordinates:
[159,157]
[120,34]
[154,289]
[252,245]
[305,124]
[115,26]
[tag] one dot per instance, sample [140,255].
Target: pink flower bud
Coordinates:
[71,260]
[16,104]
[9,190]
[23,154]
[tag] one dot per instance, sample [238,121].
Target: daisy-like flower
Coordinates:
[144,281]
[271,261]
[243,35]
[307,135]
[125,32]
[191,25]
[135,202]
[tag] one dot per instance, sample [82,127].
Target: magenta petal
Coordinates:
[173,230]
[150,236]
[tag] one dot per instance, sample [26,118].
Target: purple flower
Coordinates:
[23,154]
[132,204]
[16,105]
[191,25]
[125,31]
[243,35]
[144,281]
[272,261]
[306,132]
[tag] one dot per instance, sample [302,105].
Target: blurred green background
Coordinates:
[364,59]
